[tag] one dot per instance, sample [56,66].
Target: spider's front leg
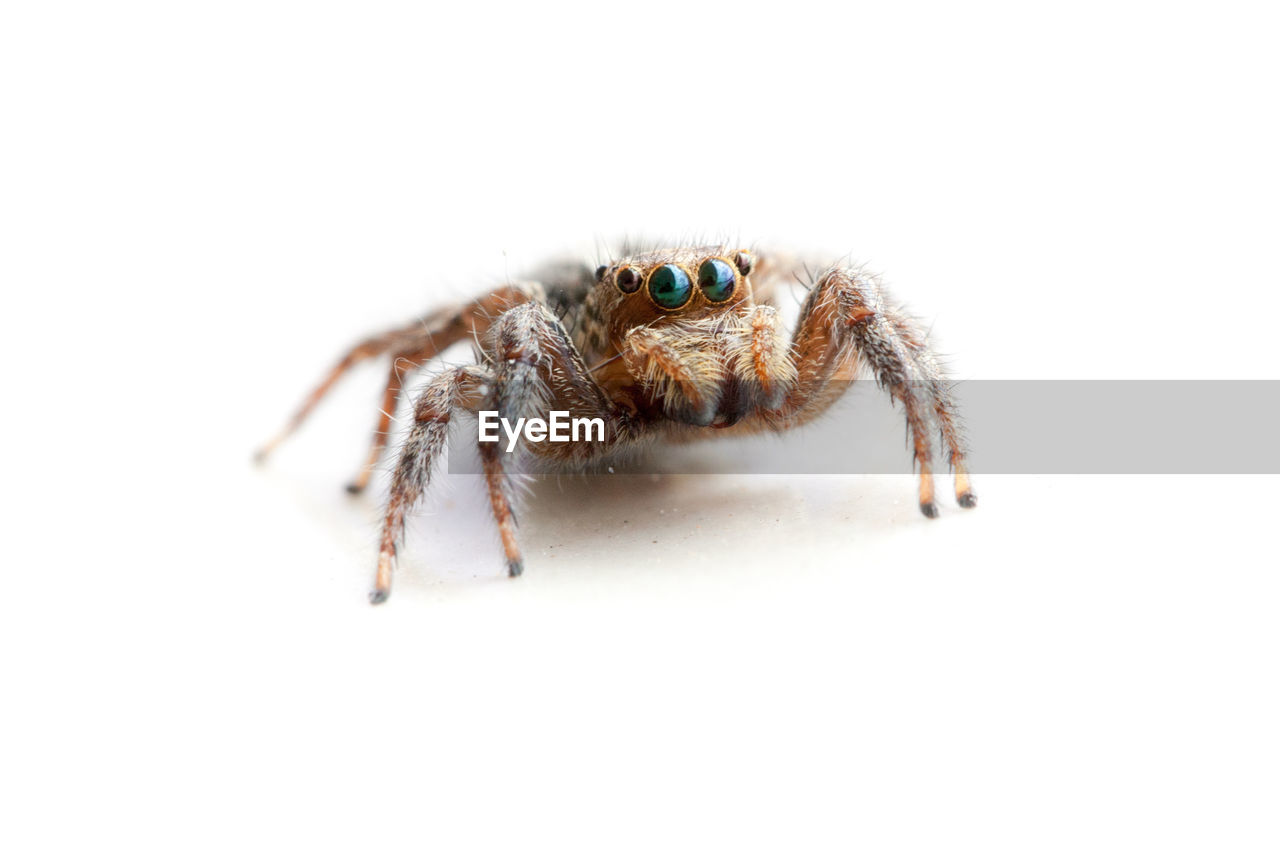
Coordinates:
[460,388]
[532,367]
[847,322]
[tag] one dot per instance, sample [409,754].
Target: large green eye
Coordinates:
[716,279]
[670,286]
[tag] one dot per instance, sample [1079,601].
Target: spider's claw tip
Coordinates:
[259,456]
[515,568]
[930,509]
[378,596]
[354,488]
[968,500]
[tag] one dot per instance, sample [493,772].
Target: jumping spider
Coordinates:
[665,344]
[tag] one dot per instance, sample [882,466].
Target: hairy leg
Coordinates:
[532,366]
[382,431]
[847,323]
[456,389]
[538,370]
[362,351]
[945,414]
[410,347]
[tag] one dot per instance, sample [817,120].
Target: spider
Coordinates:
[660,344]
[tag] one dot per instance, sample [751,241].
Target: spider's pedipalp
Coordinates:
[761,360]
[680,366]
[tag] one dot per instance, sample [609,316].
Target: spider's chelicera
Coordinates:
[666,344]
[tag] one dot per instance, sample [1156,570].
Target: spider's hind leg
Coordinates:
[363,351]
[410,348]
[401,365]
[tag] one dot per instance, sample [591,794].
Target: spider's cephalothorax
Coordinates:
[688,342]
[669,344]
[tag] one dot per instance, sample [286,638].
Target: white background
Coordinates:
[201,205]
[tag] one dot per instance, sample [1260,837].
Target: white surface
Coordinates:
[200,208]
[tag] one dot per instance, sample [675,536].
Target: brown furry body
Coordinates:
[614,344]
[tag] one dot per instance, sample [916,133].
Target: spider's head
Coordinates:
[689,283]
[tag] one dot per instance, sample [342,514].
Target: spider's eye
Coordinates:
[716,279]
[628,280]
[670,286]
